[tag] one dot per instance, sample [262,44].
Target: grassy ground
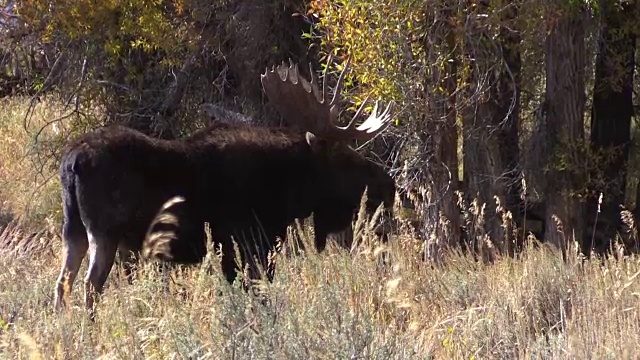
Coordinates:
[332,305]
[29,187]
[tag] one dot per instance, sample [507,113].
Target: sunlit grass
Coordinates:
[29,139]
[333,305]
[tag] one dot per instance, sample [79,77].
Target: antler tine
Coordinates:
[324,78]
[314,85]
[338,89]
[292,71]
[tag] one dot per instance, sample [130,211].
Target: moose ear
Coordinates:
[313,141]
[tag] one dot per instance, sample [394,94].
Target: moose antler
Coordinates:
[301,104]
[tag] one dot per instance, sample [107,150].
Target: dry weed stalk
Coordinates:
[15,242]
[156,243]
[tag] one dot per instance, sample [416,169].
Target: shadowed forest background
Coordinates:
[523,108]
[516,119]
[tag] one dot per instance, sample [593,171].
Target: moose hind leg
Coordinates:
[75,248]
[102,253]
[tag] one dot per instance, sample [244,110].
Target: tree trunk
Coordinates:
[491,151]
[443,214]
[611,121]
[563,128]
[509,103]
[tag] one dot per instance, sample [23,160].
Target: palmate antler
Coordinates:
[301,104]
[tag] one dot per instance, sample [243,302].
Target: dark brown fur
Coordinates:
[239,178]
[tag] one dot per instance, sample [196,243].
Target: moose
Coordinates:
[244,180]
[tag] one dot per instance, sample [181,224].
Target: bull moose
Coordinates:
[237,177]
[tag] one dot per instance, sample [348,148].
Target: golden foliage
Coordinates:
[374,39]
[114,24]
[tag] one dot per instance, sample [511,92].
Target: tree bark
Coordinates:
[443,214]
[611,121]
[491,151]
[448,153]
[563,127]
[509,103]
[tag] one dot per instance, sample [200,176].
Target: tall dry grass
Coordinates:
[333,305]
[29,141]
